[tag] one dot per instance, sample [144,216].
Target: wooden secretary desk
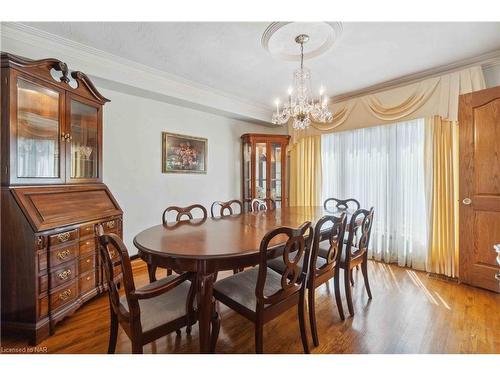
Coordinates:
[52,195]
[264,168]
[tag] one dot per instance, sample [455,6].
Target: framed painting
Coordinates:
[183,153]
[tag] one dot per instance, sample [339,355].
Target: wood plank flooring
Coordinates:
[410,313]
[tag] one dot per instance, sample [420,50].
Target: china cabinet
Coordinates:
[264,168]
[52,194]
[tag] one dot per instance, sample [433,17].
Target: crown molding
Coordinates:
[487,60]
[106,67]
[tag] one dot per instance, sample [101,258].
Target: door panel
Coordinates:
[83,147]
[261,179]
[479,123]
[487,148]
[36,123]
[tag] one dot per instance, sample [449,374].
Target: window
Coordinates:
[383,167]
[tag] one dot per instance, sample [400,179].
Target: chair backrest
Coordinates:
[342,204]
[332,229]
[184,212]
[115,260]
[225,208]
[360,227]
[258,204]
[296,248]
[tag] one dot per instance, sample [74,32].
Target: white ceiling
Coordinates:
[230,58]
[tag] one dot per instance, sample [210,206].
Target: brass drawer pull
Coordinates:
[63,254]
[88,278]
[65,274]
[63,237]
[110,224]
[88,260]
[65,295]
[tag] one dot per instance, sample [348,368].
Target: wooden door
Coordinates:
[479,123]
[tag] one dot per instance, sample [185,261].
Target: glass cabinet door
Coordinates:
[84,141]
[276,173]
[247,167]
[261,170]
[38,145]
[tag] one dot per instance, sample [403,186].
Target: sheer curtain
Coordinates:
[383,167]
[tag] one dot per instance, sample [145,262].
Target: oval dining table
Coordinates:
[207,246]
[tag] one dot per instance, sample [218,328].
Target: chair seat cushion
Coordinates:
[164,308]
[325,246]
[240,287]
[279,266]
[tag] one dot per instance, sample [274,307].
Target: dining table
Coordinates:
[207,246]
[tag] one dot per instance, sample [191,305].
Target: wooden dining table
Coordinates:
[207,246]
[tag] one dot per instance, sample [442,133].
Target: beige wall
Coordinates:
[132,158]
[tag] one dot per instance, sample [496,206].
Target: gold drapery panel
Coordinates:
[305,172]
[441,138]
[437,96]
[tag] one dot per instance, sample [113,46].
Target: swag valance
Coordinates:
[437,96]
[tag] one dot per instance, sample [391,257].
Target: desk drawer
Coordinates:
[62,254]
[87,246]
[63,237]
[86,283]
[62,275]
[111,226]
[86,263]
[63,296]
[86,230]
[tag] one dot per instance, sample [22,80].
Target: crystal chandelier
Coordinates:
[301,107]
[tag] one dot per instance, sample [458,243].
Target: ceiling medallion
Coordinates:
[301,107]
[277,39]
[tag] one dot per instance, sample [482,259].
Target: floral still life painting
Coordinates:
[183,154]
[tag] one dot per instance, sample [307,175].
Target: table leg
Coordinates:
[204,286]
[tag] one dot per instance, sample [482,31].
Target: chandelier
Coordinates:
[301,107]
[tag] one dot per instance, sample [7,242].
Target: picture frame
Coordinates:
[184,153]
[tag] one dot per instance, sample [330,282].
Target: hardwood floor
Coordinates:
[410,313]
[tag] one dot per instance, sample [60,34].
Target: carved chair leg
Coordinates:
[259,333]
[137,347]
[338,299]
[348,294]
[152,272]
[302,323]
[215,331]
[364,270]
[190,305]
[178,332]
[311,295]
[235,271]
[113,332]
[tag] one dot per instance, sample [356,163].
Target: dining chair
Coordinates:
[261,294]
[182,213]
[262,204]
[322,269]
[225,208]
[356,252]
[149,312]
[342,204]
